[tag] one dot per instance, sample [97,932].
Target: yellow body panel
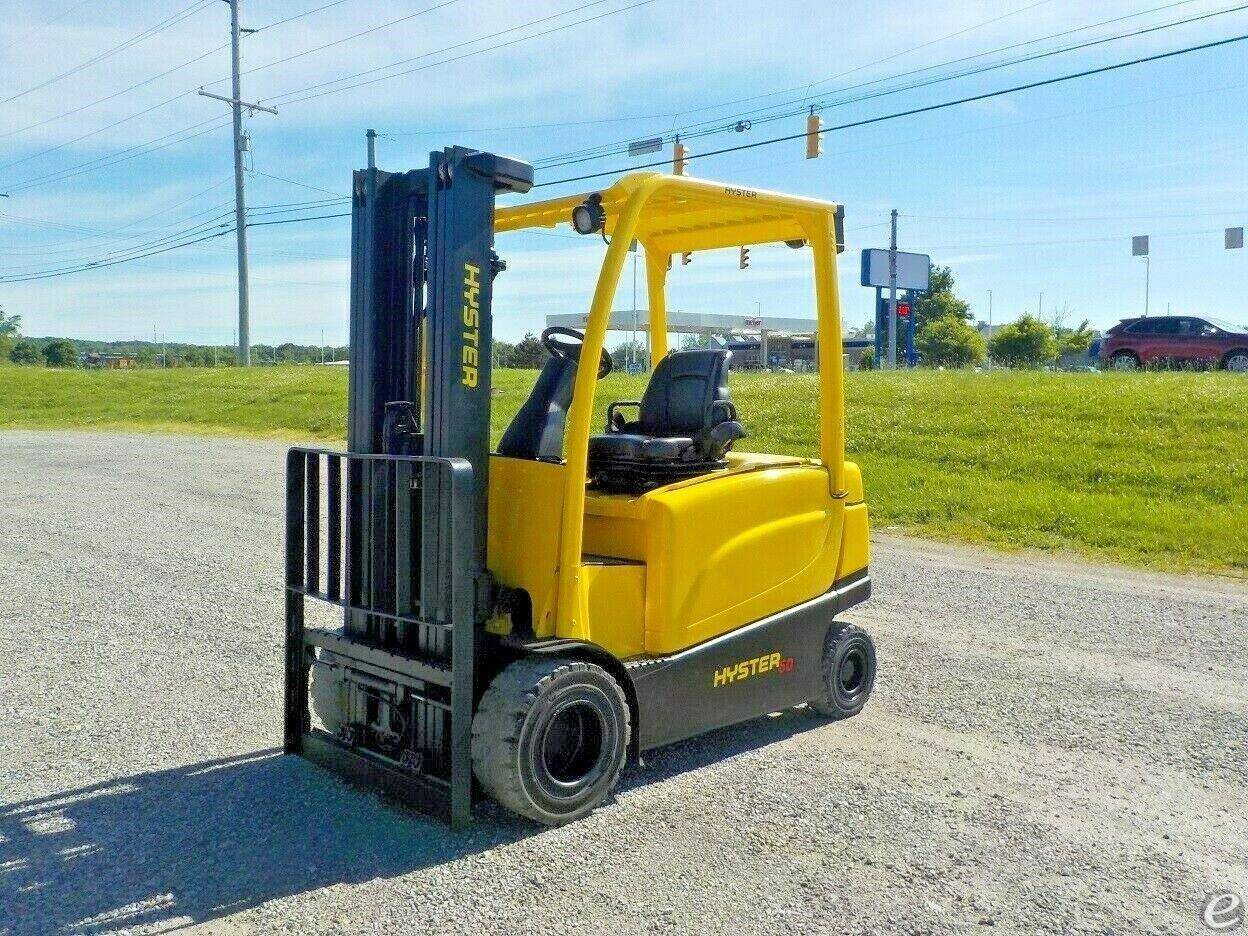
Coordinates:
[614,597]
[704,556]
[522,546]
[735,549]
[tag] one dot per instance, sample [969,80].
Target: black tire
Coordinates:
[550,738]
[848,672]
[1125,361]
[1236,361]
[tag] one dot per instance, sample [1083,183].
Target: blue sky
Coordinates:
[1037,192]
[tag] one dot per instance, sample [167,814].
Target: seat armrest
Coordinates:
[713,443]
[615,420]
[720,411]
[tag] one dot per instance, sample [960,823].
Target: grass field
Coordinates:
[1149,469]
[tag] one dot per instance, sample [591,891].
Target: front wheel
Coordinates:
[848,672]
[1236,362]
[1125,361]
[550,737]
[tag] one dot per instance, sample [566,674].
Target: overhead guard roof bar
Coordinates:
[686,215]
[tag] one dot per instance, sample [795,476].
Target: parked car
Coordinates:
[1175,341]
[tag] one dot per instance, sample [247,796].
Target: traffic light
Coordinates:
[814,140]
[903,310]
[745,258]
[680,153]
[686,258]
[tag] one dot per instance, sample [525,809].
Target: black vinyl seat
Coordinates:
[685,426]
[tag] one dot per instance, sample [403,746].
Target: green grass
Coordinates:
[1147,469]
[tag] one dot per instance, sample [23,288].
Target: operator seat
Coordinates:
[686,424]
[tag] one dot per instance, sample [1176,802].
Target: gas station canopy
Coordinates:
[694,323]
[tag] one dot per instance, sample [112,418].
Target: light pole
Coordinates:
[990,330]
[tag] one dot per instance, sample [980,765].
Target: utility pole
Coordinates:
[240,204]
[892,295]
[989,329]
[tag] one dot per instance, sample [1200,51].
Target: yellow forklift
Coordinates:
[519,622]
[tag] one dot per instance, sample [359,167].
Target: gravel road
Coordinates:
[1052,747]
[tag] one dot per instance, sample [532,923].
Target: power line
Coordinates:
[184,13]
[24,37]
[269,175]
[173,137]
[292,96]
[729,124]
[197,234]
[338,42]
[140,84]
[919,110]
[857,68]
[130,152]
[296,16]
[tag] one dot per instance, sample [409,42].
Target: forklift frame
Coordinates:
[408,567]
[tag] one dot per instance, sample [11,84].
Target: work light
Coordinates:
[589,216]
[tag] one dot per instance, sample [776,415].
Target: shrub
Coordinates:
[60,352]
[1028,342]
[949,342]
[24,352]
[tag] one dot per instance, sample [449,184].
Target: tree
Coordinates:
[949,342]
[10,325]
[629,350]
[502,353]
[939,302]
[24,352]
[1073,341]
[528,353]
[1028,342]
[60,352]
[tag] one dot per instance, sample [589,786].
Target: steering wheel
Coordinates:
[565,349]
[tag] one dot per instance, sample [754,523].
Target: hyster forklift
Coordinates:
[520,622]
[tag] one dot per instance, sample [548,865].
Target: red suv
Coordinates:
[1175,341]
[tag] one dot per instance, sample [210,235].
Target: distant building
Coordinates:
[110,361]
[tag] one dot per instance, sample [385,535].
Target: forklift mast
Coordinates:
[422,273]
[404,546]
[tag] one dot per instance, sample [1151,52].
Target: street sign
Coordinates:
[1234,238]
[914,271]
[641,147]
[1139,246]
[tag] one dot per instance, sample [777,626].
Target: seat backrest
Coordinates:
[681,390]
[537,429]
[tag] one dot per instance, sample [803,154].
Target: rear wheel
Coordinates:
[1125,361]
[550,738]
[1237,362]
[848,672]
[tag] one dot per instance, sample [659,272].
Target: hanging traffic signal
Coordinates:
[745,258]
[686,258]
[814,139]
[680,153]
